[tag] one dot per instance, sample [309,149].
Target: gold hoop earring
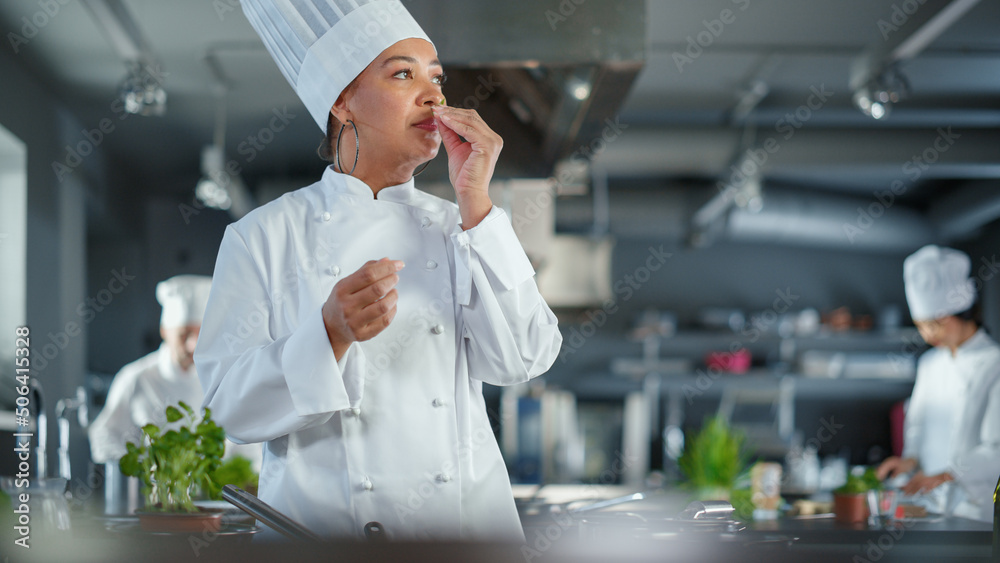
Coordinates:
[357,147]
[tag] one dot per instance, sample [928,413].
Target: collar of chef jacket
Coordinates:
[344,183]
[969,353]
[407,194]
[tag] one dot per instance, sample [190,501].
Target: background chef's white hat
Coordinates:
[183,299]
[322,45]
[937,283]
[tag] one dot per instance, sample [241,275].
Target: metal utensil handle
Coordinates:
[609,502]
[267,514]
[707,510]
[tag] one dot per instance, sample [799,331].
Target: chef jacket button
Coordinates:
[439,402]
[431,264]
[333,270]
[355,411]
[374,531]
[443,478]
[437,329]
[425,222]
[367,484]
[326,216]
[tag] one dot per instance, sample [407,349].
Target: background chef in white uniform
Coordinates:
[952,427]
[142,390]
[364,377]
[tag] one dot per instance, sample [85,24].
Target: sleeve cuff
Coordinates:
[497,248]
[312,373]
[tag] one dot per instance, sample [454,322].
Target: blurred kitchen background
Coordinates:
[717,197]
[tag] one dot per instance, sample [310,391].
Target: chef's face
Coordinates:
[181,342]
[390,103]
[940,332]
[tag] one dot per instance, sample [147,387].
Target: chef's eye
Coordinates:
[440,79]
[405,73]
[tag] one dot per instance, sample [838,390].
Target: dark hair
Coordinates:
[327,147]
[973,313]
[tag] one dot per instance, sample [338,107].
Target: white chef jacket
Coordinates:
[139,395]
[396,432]
[953,422]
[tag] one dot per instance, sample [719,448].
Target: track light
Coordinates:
[578,88]
[142,90]
[876,97]
[213,195]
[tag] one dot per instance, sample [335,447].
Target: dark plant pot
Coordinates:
[850,509]
[205,520]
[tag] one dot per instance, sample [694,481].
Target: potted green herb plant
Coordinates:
[713,459]
[172,465]
[850,504]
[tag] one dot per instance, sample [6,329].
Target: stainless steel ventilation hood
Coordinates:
[548,76]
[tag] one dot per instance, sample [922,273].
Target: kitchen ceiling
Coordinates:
[672,104]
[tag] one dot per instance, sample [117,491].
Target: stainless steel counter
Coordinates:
[639,531]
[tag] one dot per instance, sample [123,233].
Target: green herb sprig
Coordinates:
[860,484]
[172,464]
[714,457]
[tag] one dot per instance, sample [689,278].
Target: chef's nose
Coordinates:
[432,96]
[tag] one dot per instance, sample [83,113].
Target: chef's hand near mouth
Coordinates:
[470,162]
[362,304]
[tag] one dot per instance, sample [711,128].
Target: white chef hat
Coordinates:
[322,45]
[183,299]
[937,283]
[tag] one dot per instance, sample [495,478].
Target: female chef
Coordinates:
[952,430]
[352,323]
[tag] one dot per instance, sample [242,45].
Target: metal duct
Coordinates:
[964,211]
[700,151]
[821,220]
[796,217]
[545,75]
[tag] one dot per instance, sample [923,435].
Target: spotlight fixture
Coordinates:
[578,88]
[212,195]
[210,191]
[142,91]
[750,196]
[876,97]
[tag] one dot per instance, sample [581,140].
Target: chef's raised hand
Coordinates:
[362,304]
[470,162]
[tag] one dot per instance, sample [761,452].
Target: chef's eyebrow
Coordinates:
[407,59]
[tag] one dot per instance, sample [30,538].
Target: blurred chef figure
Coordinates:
[952,429]
[142,390]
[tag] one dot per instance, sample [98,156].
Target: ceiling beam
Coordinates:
[120,29]
[905,34]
